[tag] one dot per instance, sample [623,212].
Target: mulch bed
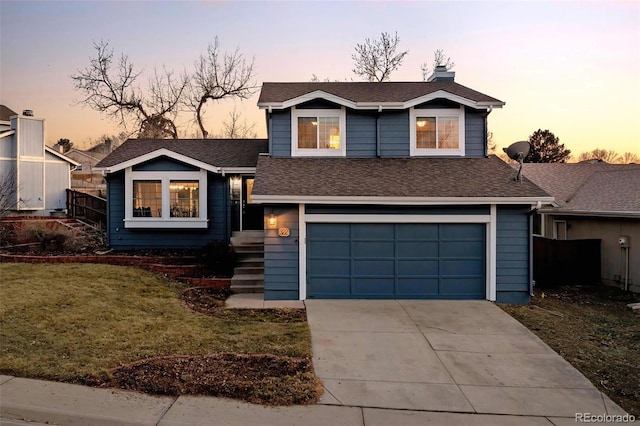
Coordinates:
[204,300]
[261,379]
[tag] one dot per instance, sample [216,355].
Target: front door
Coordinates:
[252,214]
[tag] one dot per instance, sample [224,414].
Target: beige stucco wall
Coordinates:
[608,230]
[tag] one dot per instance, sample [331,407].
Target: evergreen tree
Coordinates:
[546,148]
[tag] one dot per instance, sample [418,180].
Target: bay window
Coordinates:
[318,132]
[165,199]
[437,132]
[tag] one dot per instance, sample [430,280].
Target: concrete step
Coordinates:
[243,289]
[248,270]
[252,262]
[240,241]
[254,234]
[247,279]
[249,249]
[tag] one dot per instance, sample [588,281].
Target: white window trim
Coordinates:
[166,221]
[320,152]
[414,113]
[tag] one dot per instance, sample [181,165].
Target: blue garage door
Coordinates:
[395,261]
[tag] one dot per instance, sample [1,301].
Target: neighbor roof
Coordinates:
[371,95]
[6,113]
[215,152]
[350,179]
[589,188]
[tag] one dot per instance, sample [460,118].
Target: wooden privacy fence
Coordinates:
[557,262]
[81,205]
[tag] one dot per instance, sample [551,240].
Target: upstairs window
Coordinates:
[318,132]
[437,132]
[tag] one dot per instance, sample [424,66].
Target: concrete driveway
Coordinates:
[451,356]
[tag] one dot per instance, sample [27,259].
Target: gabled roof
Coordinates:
[370,95]
[598,189]
[391,180]
[61,156]
[209,154]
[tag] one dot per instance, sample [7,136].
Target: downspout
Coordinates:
[269,129]
[378,131]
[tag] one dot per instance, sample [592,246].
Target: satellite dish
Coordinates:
[518,151]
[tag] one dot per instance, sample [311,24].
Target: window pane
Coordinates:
[329,132]
[307,132]
[185,197]
[448,132]
[147,198]
[426,132]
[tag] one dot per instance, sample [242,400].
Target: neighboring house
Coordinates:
[37,175]
[180,193]
[84,177]
[594,201]
[365,190]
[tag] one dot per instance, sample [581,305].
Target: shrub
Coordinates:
[218,259]
[51,236]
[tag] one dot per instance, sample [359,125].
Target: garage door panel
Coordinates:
[419,249]
[374,267]
[330,267]
[330,249]
[462,288]
[461,248]
[380,286]
[418,267]
[373,249]
[462,231]
[327,287]
[412,232]
[462,267]
[329,230]
[417,287]
[372,231]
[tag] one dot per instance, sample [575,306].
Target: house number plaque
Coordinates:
[283,232]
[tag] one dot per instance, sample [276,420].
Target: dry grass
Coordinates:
[76,323]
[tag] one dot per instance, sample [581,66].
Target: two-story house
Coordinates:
[367,190]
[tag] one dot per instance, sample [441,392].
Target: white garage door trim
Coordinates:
[490,220]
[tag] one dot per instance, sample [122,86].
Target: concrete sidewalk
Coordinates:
[382,363]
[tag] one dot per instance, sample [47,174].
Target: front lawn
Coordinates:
[85,323]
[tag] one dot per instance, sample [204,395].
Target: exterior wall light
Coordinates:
[272,220]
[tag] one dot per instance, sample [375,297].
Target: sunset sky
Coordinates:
[570,67]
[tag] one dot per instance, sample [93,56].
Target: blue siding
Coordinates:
[475,133]
[318,104]
[361,134]
[281,274]
[438,104]
[281,133]
[164,164]
[394,134]
[121,238]
[512,252]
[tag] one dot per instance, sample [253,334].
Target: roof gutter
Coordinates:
[592,213]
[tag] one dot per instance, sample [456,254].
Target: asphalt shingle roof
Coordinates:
[585,187]
[390,177]
[217,152]
[368,91]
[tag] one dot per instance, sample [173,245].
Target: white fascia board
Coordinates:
[408,201]
[238,170]
[61,156]
[159,153]
[7,133]
[395,218]
[442,94]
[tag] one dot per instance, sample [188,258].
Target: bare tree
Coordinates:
[439,60]
[630,158]
[218,76]
[546,148]
[110,86]
[375,60]
[236,128]
[606,155]
[8,191]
